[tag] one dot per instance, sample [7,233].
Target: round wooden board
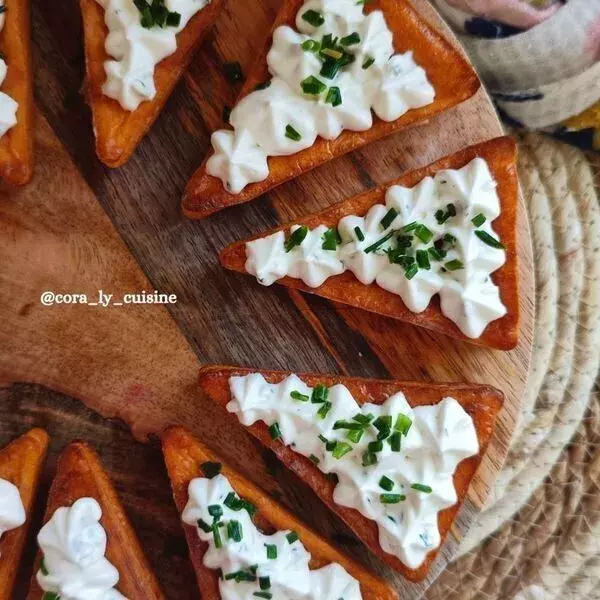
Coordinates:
[133,363]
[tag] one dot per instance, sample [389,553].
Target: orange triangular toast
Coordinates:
[80,474]
[481,402]
[17,144]
[347,289]
[450,74]
[184,455]
[21,464]
[118,131]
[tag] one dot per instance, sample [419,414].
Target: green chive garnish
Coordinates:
[421,488]
[234,531]
[341,449]
[217,536]
[423,260]
[310,46]
[332,53]
[436,254]
[360,236]
[369,60]
[395,441]
[296,238]
[292,537]
[385,483]
[423,233]
[265,595]
[331,239]
[271,551]
[392,498]
[313,86]
[376,446]
[369,459]
[454,265]
[330,68]
[250,508]
[264,583]
[296,395]
[173,19]
[478,220]
[334,96]
[410,227]
[351,39]
[388,218]
[314,459]
[50,596]
[442,216]
[351,425]
[215,511]
[355,435]
[325,408]
[411,271]
[201,524]
[232,502]
[383,422]
[364,419]
[210,469]
[403,423]
[379,243]
[292,134]
[486,238]
[319,394]
[274,431]
[314,18]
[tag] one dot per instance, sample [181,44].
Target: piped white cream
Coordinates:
[12,511]
[8,105]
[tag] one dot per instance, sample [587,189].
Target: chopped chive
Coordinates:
[385,483]
[292,134]
[351,39]
[411,271]
[453,265]
[359,234]
[369,60]
[423,233]
[325,408]
[403,423]
[323,438]
[341,449]
[211,469]
[410,227]
[369,459]
[355,435]
[334,96]
[423,260]
[388,218]
[379,243]
[376,446]
[313,86]
[363,419]
[330,68]
[314,459]
[296,395]
[271,551]
[449,239]
[265,595]
[478,220]
[442,216]
[50,596]
[215,511]
[392,498]
[319,394]
[173,19]
[292,537]
[217,536]
[350,425]
[296,238]
[310,46]
[331,239]
[395,441]
[234,531]
[383,422]
[202,525]
[274,431]
[436,254]
[233,72]
[232,502]
[314,18]
[486,238]
[264,582]
[250,508]
[332,53]
[420,487]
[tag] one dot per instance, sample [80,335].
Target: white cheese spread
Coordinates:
[434,238]
[395,464]
[8,106]
[326,77]
[12,511]
[73,544]
[138,40]
[255,565]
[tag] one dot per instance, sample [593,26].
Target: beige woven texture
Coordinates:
[539,536]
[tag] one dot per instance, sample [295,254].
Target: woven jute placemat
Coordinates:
[539,536]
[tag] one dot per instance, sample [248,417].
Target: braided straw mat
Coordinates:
[539,536]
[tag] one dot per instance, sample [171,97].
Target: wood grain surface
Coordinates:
[133,362]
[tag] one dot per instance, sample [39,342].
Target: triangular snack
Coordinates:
[184,455]
[80,474]
[481,402]
[118,131]
[447,70]
[21,464]
[17,144]
[502,333]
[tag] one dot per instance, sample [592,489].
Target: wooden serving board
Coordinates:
[139,363]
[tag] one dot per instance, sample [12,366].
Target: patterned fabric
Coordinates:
[540,60]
